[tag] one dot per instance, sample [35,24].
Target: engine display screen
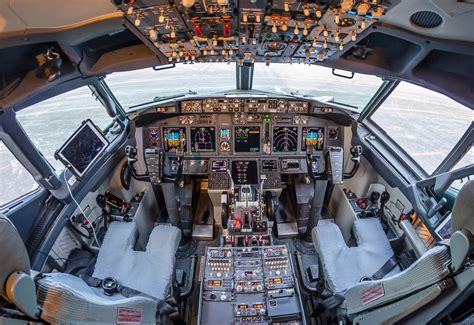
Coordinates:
[244,171]
[285,139]
[203,139]
[313,137]
[247,139]
[174,138]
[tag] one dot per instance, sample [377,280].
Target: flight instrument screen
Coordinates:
[203,139]
[174,138]
[285,138]
[247,139]
[313,137]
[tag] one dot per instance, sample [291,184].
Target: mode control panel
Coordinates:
[249,285]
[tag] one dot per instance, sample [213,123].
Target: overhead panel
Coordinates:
[250,30]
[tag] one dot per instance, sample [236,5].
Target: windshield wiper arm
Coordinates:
[328,100]
[162,98]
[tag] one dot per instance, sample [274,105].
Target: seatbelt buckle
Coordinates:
[110,286]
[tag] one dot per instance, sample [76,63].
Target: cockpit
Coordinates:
[236,162]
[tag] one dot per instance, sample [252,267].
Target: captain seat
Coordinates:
[150,271]
[67,299]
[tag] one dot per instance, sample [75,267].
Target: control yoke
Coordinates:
[356,153]
[131,153]
[334,163]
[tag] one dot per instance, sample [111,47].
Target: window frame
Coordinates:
[397,151]
[98,92]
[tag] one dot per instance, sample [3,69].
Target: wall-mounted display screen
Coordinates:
[174,138]
[203,139]
[313,137]
[285,138]
[247,139]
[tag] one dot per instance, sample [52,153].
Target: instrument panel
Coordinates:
[244,127]
[246,144]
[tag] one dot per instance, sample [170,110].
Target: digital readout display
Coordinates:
[219,165]
[249,283]
[275,281]
[214,283]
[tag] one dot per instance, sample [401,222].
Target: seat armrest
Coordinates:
[21,291]
[461,246]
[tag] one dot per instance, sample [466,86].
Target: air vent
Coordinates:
[426,19]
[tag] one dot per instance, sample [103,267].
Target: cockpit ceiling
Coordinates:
[30,16]
[91,38]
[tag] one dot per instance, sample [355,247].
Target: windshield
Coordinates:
[316,81]
[139,86]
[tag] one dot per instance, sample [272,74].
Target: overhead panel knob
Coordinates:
[296,30]
[187,3]
[306,11]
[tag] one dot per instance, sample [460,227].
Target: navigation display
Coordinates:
[203,139]
[314,137]
[244,172]
[247,139]
[174,138]
[82,148]
[285,138]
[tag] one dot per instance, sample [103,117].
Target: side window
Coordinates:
[426,124]
[51,122]
[15,180]
[467,159]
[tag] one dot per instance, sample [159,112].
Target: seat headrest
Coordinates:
[13,254]
[462,216]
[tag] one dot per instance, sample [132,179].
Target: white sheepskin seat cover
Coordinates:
[150,271]
[345,266]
